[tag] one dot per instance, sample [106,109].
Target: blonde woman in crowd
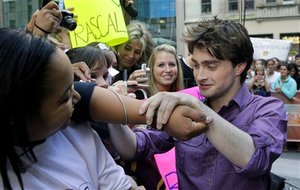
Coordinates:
[165,70]
[134,52]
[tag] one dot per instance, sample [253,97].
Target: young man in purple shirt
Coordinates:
[242,134]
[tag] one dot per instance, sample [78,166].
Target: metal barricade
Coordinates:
[290,186]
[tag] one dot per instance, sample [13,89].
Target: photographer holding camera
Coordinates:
[49,19]
[46,20]
[52,19]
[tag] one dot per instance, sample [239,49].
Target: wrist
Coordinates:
[40,31]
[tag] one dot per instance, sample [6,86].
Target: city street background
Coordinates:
[288,167]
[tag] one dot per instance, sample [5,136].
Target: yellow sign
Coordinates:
[97,20]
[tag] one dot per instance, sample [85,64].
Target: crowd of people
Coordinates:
[265,77]
[273,76]
[73,118]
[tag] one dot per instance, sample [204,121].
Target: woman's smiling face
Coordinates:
[165,69]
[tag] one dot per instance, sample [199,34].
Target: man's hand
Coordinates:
[162,104]
[186,123]
[179,114]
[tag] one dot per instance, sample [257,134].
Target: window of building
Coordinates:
[206,6]
[160,18]
[271,1]
[12,23]
[288,2]
[249,4]
[162,23]
[233,5]
[12,6]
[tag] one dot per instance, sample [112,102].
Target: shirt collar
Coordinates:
[287,79]
[240,99]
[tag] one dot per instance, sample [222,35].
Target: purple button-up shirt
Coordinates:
[200,166]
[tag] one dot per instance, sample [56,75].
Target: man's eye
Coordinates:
[212,66]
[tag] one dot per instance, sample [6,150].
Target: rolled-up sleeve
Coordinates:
[268,132]
[152,141]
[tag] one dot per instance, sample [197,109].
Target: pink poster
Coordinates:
[194,91]
[166,162]
[167,168]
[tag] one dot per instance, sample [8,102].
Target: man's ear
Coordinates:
[239,68]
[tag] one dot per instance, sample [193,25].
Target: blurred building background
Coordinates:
[275,19]
[160,17]
[16,13]
[167,19]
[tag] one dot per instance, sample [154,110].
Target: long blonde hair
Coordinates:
[178,84]
[138,31]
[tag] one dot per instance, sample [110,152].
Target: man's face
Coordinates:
[217,79]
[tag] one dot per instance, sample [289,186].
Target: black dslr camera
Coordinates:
[67,20]
[67,17]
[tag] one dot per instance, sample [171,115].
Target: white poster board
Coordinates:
[265,48]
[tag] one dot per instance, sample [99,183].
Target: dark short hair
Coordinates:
[223,39]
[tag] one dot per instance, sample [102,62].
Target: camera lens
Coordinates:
[69,23]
